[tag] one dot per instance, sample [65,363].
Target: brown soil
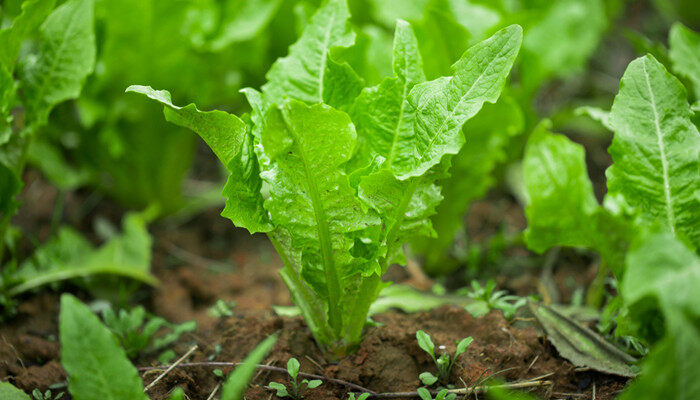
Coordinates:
[204,259]
[388,360]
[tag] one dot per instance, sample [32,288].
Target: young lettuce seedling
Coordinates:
[443,362]
[47,395]
[442,395]
[298,388]
[362,396]
[340,176]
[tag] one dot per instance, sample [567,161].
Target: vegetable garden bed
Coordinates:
[349,199]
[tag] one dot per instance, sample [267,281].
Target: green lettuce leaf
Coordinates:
[488,135]
[231,141]
[312,197]
[562,209]
[684,53]
[9,392]
[662,278]
[307,74]
[66,57]
[96,365]
[378,110]
[656,149]
[33,14]
[437,109]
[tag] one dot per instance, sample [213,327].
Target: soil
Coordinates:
[204,259]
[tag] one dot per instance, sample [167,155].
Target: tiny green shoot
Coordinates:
[298,388]
[487,298]
[443,362]
[47,395]
[444,394]
[137,331]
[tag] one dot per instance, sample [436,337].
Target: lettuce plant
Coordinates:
[48,74]
[338,175]
[646,230]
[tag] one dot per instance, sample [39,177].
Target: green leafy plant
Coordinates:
[645,231]
[443,394]
[51,73]
[559,39]
[298,388]
[70,256]
[487,298]
[138,332]
[340,176]
[443,361]
[222,309]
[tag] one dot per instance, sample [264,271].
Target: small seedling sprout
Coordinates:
[444,394]
[298,388]
[443,362]
[362,396]
[47,395]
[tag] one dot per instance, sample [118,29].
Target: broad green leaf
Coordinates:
[562,209]
[96,365]
[33,14]
[410,300]
[488,134]
[684,53]
[378,111]
[66,57]
[238,381]
[69,255]
[439,108]
[304,74]
[580,345]
[311,197]
[561,201]
[231,141]
[656,149]
[662,277]
[662,268]
[406,203]
[9,392]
